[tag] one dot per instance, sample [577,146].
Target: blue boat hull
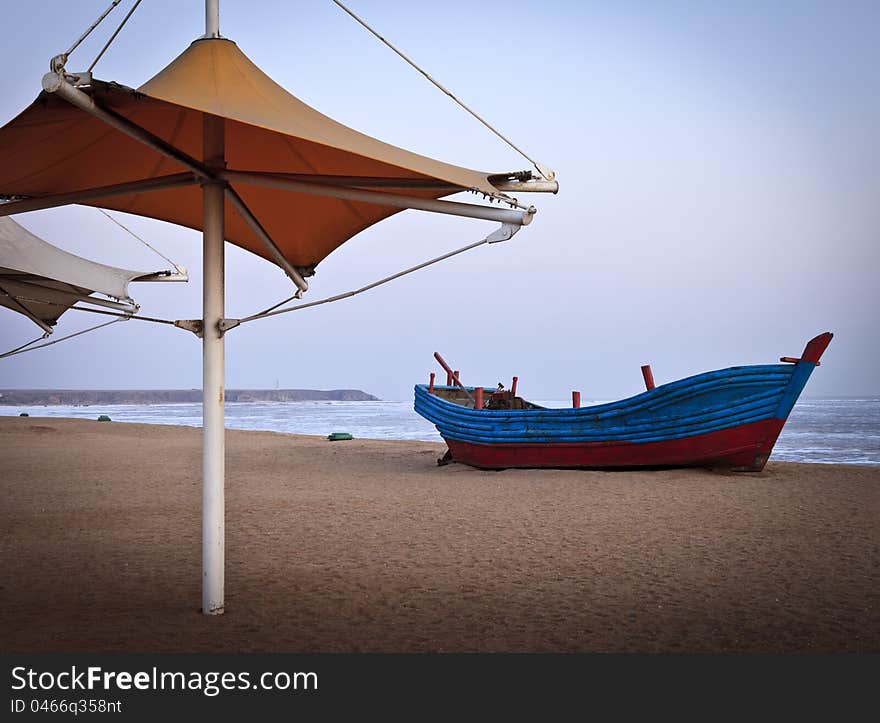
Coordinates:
[729,417]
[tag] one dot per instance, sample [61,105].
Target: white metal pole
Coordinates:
[213,382]
[212,18]
[213,362]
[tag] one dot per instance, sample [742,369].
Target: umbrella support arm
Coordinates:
[56,83]
[24,310]
[107,304]
[454,208]
[89,195]
[248,217]
[73,298]
[516,181]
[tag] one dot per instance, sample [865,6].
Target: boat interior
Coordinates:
[492,398]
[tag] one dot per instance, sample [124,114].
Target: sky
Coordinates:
[719,197]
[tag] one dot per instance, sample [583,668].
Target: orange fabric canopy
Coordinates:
[53,147]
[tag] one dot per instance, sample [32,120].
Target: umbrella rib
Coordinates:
[454,208]
[419,184]
[27,312]
[73,299]
[38,203]
[153,319]
[257,228]
[55,83]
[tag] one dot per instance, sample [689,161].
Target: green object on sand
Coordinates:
[24,414]
[104,418]
[338,436]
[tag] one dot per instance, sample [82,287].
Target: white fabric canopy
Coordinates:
[42,282]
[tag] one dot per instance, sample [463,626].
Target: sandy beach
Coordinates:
[370,546]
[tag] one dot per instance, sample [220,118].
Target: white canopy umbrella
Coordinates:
[42,282]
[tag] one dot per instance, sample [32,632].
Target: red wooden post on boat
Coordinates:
[452,376]
[513,388]
[478,398]
[649,377]
[576,400]
[431,384]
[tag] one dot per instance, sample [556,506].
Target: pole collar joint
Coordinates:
[193,325]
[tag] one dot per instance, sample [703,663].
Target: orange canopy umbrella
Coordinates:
[54,148]
[212,128]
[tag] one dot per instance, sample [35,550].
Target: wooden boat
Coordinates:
[726,418]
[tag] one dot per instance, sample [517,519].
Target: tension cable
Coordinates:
[152,248]
[27,347]
[504,233]
[545,172]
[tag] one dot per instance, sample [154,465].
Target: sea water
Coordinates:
[837,431]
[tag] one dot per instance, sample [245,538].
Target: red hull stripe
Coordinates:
[744,447]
